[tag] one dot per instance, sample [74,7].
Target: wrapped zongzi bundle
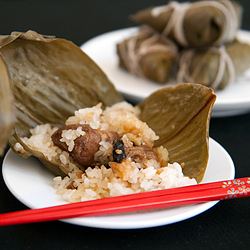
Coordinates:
[215,67]
[198,24]
[147,54]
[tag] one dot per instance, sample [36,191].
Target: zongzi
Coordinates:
[196,24]
[148,55]
[215,67]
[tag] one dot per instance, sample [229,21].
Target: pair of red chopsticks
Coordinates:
[220,190]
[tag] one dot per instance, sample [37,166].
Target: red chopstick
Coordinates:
[220,190]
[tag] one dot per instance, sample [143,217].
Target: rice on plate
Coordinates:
[108,153]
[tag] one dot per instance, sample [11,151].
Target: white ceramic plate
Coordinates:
[31,183]
[233,100]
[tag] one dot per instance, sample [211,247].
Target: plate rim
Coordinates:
[196,208]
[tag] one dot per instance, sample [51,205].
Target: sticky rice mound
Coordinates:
[108,177]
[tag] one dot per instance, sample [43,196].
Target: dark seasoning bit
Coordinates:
[118,150]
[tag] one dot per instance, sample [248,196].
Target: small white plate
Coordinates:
[31,183]
[233,100]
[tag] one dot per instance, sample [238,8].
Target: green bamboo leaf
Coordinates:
[180,117]
[7,117]
[50,79]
